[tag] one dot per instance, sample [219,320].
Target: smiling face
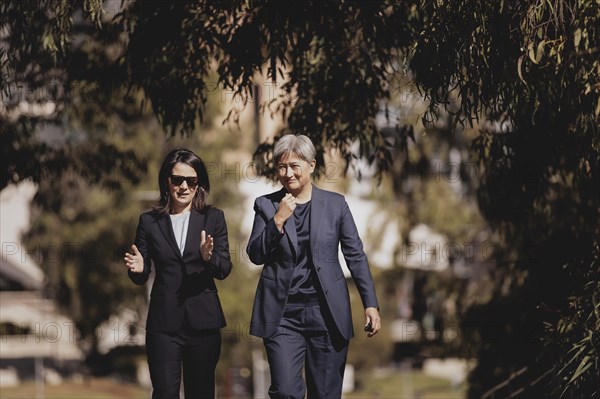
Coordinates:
[182,194]
[294,173]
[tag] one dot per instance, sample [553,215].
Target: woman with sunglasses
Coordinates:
[186,241]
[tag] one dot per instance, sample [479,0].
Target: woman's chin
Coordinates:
[182,203]
[292,187]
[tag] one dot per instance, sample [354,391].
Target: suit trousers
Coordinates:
[303,340]
[196,350]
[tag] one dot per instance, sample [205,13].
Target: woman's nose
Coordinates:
[289,172]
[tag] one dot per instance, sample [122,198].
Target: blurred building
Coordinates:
[36,340]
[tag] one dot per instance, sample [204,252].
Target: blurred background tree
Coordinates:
[95,156]
[531,70]
[520,78]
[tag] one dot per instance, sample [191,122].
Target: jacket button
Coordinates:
[318,269]
[326,292]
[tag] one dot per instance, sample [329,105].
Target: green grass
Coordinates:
[405,385]
[92,389]
[397,385]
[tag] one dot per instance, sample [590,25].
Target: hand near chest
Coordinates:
[285,211]
[206,246]
[134,261]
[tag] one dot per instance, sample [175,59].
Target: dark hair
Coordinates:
[189,158]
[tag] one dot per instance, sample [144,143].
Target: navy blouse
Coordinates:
[302,290]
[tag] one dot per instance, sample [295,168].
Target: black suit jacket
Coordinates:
[331,226]
[184,286]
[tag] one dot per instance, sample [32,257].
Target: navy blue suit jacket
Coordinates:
[331,224]
[184,285]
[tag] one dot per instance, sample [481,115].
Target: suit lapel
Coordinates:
[196,225]
[316,216]
[289,226]
[166,228]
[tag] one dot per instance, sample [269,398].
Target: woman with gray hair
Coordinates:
[302,306]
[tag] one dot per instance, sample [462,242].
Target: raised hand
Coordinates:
[206,245]
[135,261]
[286,209]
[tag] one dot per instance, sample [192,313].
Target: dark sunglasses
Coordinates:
[192,181]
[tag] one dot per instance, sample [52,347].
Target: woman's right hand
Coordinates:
[134,262]
[286,209]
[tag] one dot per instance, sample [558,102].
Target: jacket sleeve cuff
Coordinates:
[273,233]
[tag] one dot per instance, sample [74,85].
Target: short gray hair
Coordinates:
[299,145]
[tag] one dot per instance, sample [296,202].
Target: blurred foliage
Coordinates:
[576,335]
[526,74]
[86,160]
[523,75]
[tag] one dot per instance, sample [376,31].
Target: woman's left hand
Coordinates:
[372,317]
[206,245]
